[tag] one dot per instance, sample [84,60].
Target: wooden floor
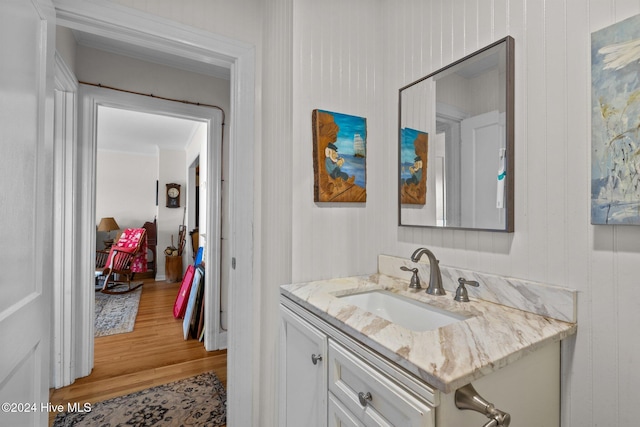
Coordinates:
[154,353]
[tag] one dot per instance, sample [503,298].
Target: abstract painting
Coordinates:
[615,123]
[339,157]
[414,147]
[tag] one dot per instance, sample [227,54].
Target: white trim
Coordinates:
[128,25]
[91,98]
[62,342]
[65,80]
[110,20]
[213,339]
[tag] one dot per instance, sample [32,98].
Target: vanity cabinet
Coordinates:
[304,385]
[351,385]
[371,396]
[345,386]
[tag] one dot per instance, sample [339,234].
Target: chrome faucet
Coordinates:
[435,278]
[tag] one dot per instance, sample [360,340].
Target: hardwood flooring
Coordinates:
[154,353]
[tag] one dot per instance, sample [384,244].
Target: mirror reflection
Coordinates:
[456,144]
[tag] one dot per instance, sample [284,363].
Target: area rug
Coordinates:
[116,314]
[196,401]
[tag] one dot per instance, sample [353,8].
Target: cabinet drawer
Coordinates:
[339,416]
[370,395]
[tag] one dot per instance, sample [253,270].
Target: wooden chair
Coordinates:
[126,257]
[152,242]
[195,242]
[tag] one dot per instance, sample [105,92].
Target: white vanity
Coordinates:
[343,365]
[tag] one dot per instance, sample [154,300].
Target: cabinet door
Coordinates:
[303,373]
[371,396]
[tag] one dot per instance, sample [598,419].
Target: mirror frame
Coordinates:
[509,135]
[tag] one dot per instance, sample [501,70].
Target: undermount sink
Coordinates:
[402,311]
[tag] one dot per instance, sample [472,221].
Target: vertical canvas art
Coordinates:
[414,147]
[615,123]
[339,157]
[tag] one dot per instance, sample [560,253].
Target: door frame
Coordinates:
[64,253]
[91,98]
[120,23]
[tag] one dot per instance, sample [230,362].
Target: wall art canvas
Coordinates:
[414,147]
[615,123]
[339,157]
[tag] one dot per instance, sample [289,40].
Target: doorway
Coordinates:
[94,100]
[150,32]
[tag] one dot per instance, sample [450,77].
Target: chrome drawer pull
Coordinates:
[315,358]
[364,398]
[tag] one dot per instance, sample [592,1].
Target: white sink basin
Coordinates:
[402,311]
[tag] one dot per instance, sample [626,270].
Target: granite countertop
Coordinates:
[491,337]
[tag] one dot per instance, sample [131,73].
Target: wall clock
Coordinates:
[173,195]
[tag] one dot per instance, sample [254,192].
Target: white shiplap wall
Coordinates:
[554,241]
[337,67]
[351,57]
[277,196]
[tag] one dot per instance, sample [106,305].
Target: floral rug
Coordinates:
[196,401]
[116,314]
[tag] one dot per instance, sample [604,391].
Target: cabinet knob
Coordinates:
[364,398]
[315,358]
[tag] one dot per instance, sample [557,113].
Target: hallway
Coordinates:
[154,353]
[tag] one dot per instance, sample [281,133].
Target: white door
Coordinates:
[304,373]
[482,140]
[27,35]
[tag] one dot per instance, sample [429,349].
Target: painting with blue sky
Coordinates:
[351,143]
[414,148]
[407,150]
[615,123]
[339,157]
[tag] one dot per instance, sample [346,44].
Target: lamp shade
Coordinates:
[108,224]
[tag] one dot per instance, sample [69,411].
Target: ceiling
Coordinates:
[144,133]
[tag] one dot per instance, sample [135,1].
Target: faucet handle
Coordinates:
[461,292]
[415,280]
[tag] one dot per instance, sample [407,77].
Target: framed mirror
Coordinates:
[455,145]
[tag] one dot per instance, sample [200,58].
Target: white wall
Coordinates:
[126,187]
[352,57]
[276,194]
[553,242]
[338,67]
[96,66]
[66,46]
[129,195]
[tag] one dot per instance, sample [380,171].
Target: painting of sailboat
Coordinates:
[339,157]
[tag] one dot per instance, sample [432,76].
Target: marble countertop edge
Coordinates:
[447,358]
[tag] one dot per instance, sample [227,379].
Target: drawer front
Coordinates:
[339,416]
[370,395]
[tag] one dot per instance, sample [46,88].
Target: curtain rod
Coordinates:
[157,97]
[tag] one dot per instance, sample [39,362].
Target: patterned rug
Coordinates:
[197,401]
[116,314]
